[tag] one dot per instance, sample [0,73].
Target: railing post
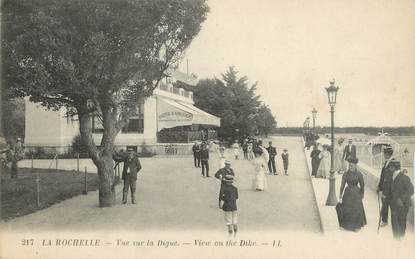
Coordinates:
[77,162]
[37,190]
[32,164]
[85,186]
[57,158]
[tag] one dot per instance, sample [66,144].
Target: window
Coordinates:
[136,124]
[97,126]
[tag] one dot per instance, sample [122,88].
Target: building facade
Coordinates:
[169,109]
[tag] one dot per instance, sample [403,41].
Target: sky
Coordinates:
[294,48]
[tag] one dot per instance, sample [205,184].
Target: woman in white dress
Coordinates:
[260,163]
[339,163]
[221,157]
[325,160]
[235,147]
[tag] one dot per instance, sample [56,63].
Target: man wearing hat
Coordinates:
[204,158]
[284,157]
[398,189]
[388,154]
[221,174]
[349,151]
[272,151]
[229,196]
[196,154]
[132,166]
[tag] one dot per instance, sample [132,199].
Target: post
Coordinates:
[331,198]
[32,164]
[77,162]
[57,157]
[85,186]
[37,188]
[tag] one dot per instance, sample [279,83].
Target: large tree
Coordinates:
[233,100]
[95,57]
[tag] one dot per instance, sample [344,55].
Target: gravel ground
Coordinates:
[172,195]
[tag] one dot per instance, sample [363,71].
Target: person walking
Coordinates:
[272,151]
[315,160]
[349,151]
[235,147]
[323,170]
[285,159]
[339,163]
[260,164]
[221,175]
[250,150]
[388,155]
[353,213]
[245,148]
[130,170]
[398,189]
[228,198]
[204,159]
[196,154]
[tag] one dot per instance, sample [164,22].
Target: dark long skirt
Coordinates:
[354,216]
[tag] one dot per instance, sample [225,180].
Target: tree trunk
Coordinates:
[106,182]
[102,160]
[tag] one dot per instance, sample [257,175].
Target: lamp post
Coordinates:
[314,113]
[332,95]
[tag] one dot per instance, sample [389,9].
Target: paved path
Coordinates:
[172,195]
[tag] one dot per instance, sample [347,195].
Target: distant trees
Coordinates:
[236,103]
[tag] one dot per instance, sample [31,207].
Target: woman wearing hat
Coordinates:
[323,170]
[339,163]
[261,165]
[353,213]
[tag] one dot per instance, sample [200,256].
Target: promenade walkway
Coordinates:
[171,194]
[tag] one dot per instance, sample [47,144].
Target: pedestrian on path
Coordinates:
[285,159]
[196,154]
[229,197]
[235,147]
[272,151]
[260,164]
[204,159]
[353,213]
[250,150]
[349,151]
[131,168]
[388,155]
[315,160]
[324,165]
[245,148]
[339,163]
[398,189]
[221,175]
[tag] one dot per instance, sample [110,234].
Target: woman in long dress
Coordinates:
[325,160]
[353,213]
[339,163]
[260,180]
[235,147]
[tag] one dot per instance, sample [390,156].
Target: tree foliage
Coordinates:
[234,101]
[95,57]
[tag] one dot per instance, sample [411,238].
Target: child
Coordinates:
[284,157]
[229,197]
[235,147]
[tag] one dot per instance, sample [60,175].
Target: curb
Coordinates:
[314,192]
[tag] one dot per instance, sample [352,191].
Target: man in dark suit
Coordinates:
[204,158]
[315,160]
[349,151]
[388,152]
[196,154]
[398,189]
[129,173]
[272,151]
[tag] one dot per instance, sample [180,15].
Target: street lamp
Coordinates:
[314,113]
[332,95]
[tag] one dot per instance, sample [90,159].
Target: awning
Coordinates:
[172,113]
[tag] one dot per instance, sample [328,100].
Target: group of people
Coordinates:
[394,187]
[321,158]
[263,160]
